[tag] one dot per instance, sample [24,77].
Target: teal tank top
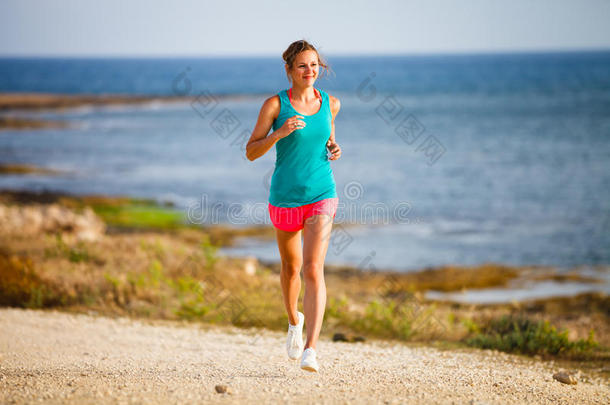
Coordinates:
[302,173]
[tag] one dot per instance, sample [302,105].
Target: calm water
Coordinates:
[502,158]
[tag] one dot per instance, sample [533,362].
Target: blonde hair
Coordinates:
[290,54]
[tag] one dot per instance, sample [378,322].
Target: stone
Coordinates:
[566,377]
[51,218]
[250,265]
[222,389]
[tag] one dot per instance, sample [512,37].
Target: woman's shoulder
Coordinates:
[331,98]
[272,106]
[275,100]
[334,102]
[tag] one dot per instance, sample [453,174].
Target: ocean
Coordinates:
[446,159]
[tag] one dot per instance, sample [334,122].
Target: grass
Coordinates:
[138,215]
[158,275]
[75,254]
[518,334]
[21,286]
[202,287]
[126,214]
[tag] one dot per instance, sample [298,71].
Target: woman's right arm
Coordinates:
[259,143]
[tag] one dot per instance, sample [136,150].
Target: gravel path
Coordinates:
[57,357]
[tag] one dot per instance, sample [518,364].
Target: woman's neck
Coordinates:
[303,94]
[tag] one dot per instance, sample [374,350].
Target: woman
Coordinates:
[303,194]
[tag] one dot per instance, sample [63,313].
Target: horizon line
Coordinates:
[324,54]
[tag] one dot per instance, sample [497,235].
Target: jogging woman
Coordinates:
[303,194]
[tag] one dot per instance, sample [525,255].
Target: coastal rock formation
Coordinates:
[50,218]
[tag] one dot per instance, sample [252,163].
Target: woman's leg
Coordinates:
[316,234]
[289,244]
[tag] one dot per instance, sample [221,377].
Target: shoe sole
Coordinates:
[309,368]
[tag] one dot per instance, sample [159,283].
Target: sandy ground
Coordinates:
[57,357]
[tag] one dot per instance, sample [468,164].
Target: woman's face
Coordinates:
[305,70]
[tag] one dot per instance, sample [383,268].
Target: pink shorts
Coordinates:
[292,219]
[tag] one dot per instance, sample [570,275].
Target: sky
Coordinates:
[152,28]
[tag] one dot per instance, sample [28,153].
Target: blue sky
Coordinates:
[245,28]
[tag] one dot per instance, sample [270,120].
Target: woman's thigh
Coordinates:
[289,245]
[316,236]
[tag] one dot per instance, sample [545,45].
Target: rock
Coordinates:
[341,337]
[566,377]
[250,265]
[222,389]
[39,218]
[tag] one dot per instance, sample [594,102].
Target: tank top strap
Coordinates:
[318,94]
[286,105]
[325,101]
[283,96]
[323,97]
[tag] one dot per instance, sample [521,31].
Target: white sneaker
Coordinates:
[294,341]
[308,361]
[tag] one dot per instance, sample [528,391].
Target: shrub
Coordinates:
[515,333]
[20,285]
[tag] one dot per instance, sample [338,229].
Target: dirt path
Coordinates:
[64,358]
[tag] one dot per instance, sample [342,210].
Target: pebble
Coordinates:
[222,389]
[565,377]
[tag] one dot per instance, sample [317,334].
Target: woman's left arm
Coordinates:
[332,145]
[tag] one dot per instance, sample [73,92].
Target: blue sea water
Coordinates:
[446,159]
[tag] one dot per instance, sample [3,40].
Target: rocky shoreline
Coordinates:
[43,101]
[13,103]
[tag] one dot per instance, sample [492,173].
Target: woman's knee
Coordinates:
[313,272]
[291,269]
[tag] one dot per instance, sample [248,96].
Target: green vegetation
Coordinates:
[21,286]
[75,254]
[180,275]
[517,334]
[198,289]
[383,318]
[141,215]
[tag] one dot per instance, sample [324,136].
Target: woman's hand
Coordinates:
[290,125]
[334,148]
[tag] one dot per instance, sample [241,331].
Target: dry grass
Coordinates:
[177,274]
